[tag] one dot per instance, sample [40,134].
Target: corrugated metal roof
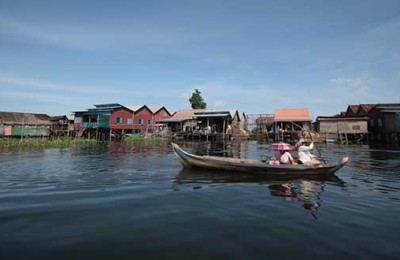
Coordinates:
[392,107]
[154,108]
[110,105]
[336,118]
[391,110]
[135,107]
[171,120]
[212,115]
[97,112]
[388,107]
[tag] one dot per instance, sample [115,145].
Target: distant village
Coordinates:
[360,123]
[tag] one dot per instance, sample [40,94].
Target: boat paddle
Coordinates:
[316,147]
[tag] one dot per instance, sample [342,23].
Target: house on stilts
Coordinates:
[114,121]
[20,125]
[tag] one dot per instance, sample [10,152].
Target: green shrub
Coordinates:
[44,143]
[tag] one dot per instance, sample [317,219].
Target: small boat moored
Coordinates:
[251,165]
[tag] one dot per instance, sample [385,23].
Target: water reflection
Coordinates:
[142,149]
[235,148]
[375,167]
[307,191]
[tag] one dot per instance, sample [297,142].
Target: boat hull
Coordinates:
[250,165]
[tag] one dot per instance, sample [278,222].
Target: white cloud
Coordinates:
[71,37]
[127,39]
[186,94]
[360,86]
[46,85]
[217,104]
[386,30]
[359,89]
[355,81]
[39,85]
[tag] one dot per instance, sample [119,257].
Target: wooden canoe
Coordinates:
[251,165]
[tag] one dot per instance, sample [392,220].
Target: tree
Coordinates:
[197,100]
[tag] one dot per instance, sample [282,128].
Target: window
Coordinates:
[140,121]
[77,119]
[149,122]
[379,122]
[129,121]
[356,127]
[119,120]
[372,122]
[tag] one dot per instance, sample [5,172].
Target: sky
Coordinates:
[255,56]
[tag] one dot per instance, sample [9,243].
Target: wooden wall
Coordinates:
[350,127]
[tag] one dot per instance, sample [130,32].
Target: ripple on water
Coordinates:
[135,199]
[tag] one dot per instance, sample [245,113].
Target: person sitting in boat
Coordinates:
[285,157]
[304,153]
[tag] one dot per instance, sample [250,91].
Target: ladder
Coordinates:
[342,134]
[80,133]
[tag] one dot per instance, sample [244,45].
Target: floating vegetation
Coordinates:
[145,138]
[44,142]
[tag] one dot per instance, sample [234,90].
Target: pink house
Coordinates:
[160,113]
[132,119]
[121,118]
[142,119]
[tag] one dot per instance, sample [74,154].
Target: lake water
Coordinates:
[135,201]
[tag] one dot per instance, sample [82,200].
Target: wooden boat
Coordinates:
[251,165]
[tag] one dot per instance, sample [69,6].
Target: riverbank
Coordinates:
[44,143]
[66,141]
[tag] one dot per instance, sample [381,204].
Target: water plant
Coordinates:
[132,139]
[44,142]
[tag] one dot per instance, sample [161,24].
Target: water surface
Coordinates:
[136,201]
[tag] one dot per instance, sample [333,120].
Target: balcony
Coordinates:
[96,124]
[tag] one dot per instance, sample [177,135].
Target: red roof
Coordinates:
[292,114]
[366,108]
[354,108]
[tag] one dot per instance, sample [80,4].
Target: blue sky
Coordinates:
[62,56]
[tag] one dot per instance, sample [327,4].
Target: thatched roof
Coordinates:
[266,120]
[58,118]
[182,115]
[12,118]
[186,114]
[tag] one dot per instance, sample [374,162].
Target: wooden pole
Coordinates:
[316,147]
[224,129]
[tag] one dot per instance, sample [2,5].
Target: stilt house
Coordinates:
[116,120]
[15,124]
[288,122]
[384,122]
[342,129]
